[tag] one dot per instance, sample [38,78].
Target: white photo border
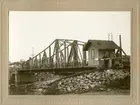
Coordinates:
[70,5]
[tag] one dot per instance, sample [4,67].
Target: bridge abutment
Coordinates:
[24,77]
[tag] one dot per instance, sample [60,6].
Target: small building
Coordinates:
[97,49]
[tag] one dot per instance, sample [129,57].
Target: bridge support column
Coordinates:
[24,78]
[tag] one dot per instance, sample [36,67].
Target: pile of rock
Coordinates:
[116,74]
[118,78]
[43,75]
[85,82]
[82,83]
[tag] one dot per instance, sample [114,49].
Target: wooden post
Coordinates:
[84,57]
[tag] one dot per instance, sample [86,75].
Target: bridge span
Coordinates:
[61,56]
[61,53]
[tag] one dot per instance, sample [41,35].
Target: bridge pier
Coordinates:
[24,77]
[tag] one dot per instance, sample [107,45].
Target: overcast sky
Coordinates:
[39,29]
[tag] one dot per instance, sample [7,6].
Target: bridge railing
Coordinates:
[72,64]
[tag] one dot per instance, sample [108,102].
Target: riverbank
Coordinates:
[107,82]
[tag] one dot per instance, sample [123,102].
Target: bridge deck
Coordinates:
[71,69]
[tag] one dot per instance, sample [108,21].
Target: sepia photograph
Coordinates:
[69,53]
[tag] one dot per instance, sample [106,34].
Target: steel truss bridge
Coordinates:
[61,54]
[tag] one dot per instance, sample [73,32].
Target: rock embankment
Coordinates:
[88,81]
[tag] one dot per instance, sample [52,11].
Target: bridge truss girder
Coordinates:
[61,53]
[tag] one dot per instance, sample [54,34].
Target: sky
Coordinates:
[37,29]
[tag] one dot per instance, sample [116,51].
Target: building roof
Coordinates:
[101,44]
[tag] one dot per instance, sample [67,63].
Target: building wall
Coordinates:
[92,60]
[98,55]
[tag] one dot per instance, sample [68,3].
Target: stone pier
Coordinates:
[24,77]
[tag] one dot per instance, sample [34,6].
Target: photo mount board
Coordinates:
[70,5]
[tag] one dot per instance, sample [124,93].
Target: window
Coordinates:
[93,53]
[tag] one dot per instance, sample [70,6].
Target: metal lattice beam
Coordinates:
[61,56]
